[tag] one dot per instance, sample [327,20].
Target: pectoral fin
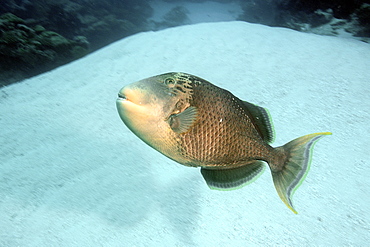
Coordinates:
[230,179]
[182,122]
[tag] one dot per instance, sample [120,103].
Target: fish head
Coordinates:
[147,106]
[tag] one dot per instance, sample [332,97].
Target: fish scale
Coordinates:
[196,123]
[215,142]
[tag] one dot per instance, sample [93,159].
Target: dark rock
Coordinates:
[362,17]
[44,34]
[342,9]
[262,12]
[319,16]
[94,19]
[39,35]
[26,51]
[39,29]
[175,17]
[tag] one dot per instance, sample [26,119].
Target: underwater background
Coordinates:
[72,174]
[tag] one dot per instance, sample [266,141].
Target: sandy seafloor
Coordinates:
[72,174]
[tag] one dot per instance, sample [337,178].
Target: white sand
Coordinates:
[71,173]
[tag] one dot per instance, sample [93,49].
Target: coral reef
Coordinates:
[94,19]
[26,51]
[318,16]
[39,35]
[361,18]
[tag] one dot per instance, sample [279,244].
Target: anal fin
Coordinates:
[235,178]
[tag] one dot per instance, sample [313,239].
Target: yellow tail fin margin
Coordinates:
[294,170]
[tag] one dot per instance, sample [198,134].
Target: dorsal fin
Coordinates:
[261,120]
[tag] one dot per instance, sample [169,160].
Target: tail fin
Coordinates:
[290,175]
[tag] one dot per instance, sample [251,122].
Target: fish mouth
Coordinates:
[121,97]
[127,96]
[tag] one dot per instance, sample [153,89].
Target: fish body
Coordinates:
[198,124]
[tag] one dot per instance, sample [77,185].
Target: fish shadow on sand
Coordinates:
[73,175]
[141,196]
[180,204]
[133,196]
[133,192]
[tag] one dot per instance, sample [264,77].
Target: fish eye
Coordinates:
[169,81]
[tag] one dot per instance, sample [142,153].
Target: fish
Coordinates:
[199,124]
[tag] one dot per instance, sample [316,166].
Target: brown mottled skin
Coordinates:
[223,135]
[198,124]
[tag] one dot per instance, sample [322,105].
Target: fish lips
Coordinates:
[126,96]
[121,97]
[122,94]
[131,103]
[131,95]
